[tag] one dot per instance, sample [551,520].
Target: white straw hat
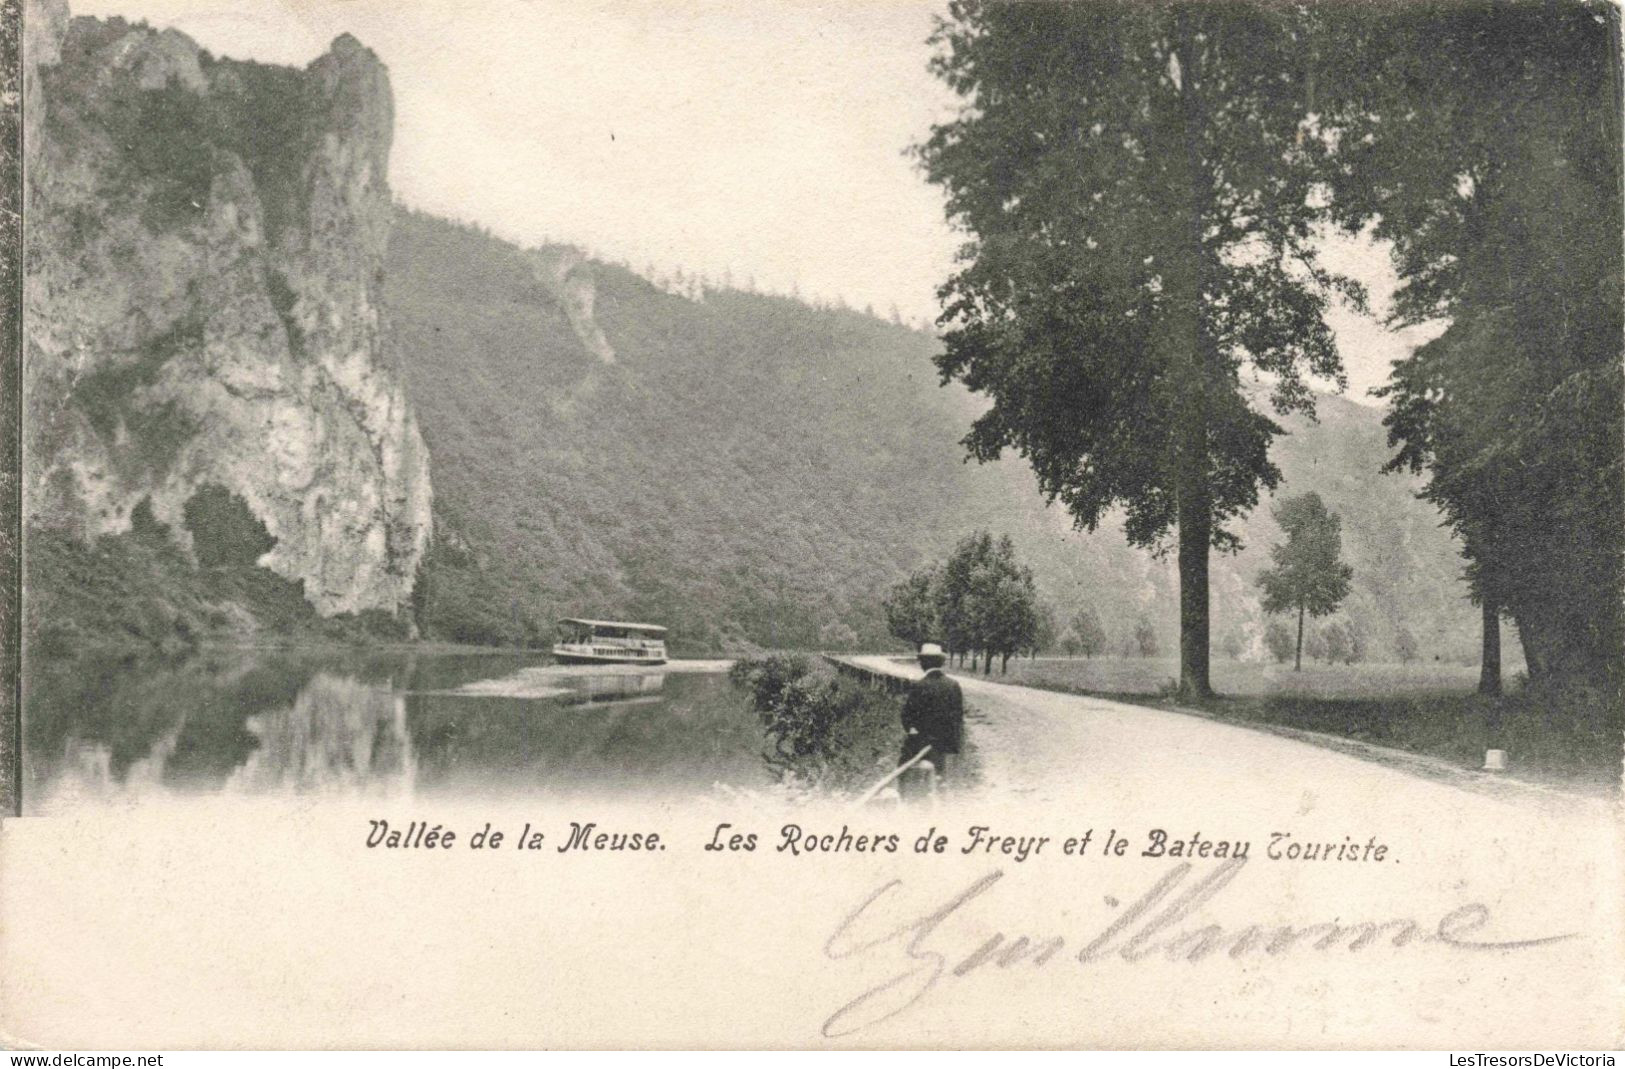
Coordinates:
[930,649]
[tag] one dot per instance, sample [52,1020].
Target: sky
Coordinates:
[763,141]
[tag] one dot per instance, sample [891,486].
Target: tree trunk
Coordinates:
[1489,672]
[1534,663]
[1195,535]
[1297,658]
[1004,665]
[1195,516]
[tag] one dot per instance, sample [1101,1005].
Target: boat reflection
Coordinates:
[631,688]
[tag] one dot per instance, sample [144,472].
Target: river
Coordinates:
[101,731]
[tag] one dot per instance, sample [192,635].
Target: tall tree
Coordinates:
[1139,199]
[1309,576]
[1484,141]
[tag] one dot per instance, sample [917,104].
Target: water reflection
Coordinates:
[603,690]
[339,734]
[115,731]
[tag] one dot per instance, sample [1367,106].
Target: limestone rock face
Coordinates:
[566,275]
[205,260]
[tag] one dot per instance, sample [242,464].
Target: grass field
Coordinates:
[1154,675]
[1565,737]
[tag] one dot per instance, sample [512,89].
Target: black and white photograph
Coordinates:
[1003,503]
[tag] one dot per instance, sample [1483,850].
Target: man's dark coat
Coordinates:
[936,709]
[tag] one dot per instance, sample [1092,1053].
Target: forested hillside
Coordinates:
[748,468]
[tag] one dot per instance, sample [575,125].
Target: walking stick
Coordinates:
[898,771]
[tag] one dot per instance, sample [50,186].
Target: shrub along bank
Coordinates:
[823,733]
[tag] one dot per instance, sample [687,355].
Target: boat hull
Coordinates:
[579,657]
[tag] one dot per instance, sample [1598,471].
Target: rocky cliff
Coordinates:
[205,249]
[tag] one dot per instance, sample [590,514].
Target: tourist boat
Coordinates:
[609,642]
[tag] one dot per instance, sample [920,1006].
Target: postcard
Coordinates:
[866,524]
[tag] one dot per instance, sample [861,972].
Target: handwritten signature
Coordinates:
[1149,926]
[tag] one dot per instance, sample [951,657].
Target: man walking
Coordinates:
[934,714]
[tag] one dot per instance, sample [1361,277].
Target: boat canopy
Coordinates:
[614,625]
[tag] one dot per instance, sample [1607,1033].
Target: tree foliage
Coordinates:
[1309,572]
[997,605]
[822,732]
[1309,575]
[1344,642]
[1140,202]
[1484,142]
[1280,640]
[979,601]
[911,607]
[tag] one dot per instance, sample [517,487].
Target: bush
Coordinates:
[1280,640]
[823,731]
[767,677]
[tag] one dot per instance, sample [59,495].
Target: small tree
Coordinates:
[1279,641]
[1315,645]
[1070,643]
[1405,646]
[1090,633]
[1309,576]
